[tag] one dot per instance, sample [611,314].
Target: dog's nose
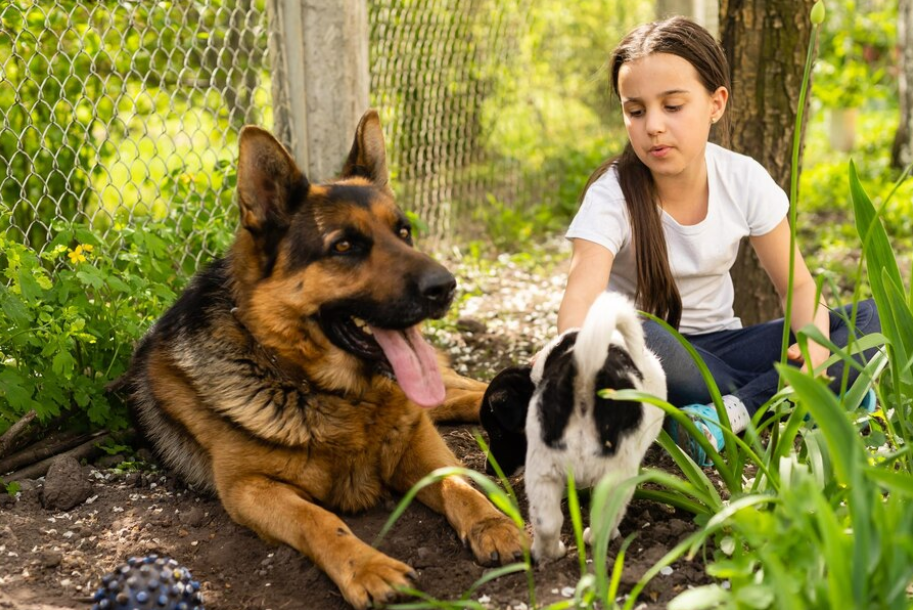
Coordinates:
[437,285]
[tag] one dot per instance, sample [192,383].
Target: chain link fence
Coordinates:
[119,113]
[114,113]
[435,70]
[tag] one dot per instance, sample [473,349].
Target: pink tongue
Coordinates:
[414,364]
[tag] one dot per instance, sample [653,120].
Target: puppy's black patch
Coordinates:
[556,402]
[558,352]
[616,418]
[503,416]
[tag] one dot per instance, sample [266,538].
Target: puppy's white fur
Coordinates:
[611,323]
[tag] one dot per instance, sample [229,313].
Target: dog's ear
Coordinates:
[368,157]
[270,185]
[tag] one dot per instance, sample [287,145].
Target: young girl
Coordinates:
[663,222]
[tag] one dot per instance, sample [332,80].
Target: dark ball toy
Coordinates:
[148,582]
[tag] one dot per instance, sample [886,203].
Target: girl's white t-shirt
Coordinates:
[743,201]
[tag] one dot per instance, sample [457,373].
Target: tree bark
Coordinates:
[902,150]
[765,42]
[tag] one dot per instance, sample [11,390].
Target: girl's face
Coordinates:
[668,113]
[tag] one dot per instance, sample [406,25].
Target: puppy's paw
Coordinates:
[588,535]
[496,540]
[547,548]
[374,579]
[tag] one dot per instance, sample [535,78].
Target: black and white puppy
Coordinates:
[550,417]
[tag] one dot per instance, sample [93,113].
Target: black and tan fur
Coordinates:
[258,386]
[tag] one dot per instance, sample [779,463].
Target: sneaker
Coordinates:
[869,401]
[707,421]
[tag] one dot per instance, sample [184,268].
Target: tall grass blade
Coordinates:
[573,507]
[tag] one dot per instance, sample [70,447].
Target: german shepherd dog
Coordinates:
[291,378]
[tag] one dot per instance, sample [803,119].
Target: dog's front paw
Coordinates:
[374,580]
[547,548]
[496,540]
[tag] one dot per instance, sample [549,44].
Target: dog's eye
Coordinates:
[405,233]
[342,246]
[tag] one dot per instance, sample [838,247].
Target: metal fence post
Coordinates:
[321,77]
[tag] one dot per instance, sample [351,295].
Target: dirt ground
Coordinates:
[52,559]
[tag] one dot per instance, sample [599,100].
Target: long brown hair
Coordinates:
[656,290]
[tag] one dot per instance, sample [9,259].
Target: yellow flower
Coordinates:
[77,256]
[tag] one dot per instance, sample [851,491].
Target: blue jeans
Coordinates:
[741,361]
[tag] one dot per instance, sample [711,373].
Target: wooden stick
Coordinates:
[45,448]
[86,450]
[10,436]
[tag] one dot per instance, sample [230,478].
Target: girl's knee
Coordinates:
[867,320]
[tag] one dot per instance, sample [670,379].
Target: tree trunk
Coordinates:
[902,151]
[765,42]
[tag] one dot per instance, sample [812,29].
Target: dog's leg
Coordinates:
[277,512]
[544,493]
[492,536]
[459,406]
[463,400]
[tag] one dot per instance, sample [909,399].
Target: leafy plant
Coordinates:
[71,315]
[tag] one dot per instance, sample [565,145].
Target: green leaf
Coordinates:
[14,308]
[29,286]
[90,276]
[63,363]
[700,598]
[16,389]
[755,596]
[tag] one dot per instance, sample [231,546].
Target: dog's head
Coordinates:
[503,416]
[331,268]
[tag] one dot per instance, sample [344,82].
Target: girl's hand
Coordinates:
[817,353]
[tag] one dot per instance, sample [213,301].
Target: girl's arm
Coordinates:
[591,265]
[773,252]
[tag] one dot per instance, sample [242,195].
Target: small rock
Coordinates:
[195,517]
[471,325]
[6,500]
[65,485]
[50,559]
[28,485]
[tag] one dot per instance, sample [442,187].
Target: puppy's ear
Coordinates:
[507,397]
[368,157]
[503,416]
[270,185]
